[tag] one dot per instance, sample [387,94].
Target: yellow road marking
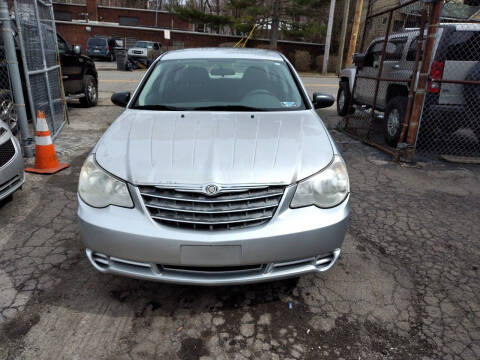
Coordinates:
[119,81]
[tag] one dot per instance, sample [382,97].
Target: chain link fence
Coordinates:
[412,96]
[450,122]
[38,42]
[7,105]
[384,71]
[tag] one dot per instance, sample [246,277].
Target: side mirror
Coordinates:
[77,49]
[322,100]
[359,60]
[121,98]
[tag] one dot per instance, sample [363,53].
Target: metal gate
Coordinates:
[38,43]
[7,105]
[384,68]
[417,81]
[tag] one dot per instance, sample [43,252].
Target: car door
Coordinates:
[394,67]
[365,84]
[70,66]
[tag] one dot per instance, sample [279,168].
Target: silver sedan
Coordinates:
[219,171]
[11,162]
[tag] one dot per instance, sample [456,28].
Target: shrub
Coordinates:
[303,60]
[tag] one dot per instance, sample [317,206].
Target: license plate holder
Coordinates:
[215,255]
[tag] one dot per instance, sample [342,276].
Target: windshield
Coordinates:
[143,44]
[220,84]
[96,42]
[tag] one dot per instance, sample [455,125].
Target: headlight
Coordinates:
[326,189]
[99,189]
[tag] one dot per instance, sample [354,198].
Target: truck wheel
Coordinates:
[343,99]
[394,116]
[90,90]
[7,111]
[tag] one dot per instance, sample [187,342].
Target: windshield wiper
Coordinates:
[158,107]
[229,108]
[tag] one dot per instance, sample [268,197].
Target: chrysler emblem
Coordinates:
[211,189]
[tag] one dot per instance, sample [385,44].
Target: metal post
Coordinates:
[15,81]
[329,37]
[413,80]
[44,60]
[422,79]
[356,26]
[380,73]
[33,115]
[343,34]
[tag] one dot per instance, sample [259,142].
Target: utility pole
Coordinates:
[15,80]
[353,38]
[329,37]
[275,23]
[343,34]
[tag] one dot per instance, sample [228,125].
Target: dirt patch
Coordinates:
[17,328]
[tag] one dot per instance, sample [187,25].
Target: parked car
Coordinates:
[219,171]
[80,78]
[455,56]
[145,52]
[101,47]
[80,81]
[11,162]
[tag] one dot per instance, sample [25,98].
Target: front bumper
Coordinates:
[11,174]
[294,242]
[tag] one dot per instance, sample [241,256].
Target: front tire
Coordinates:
[394,117]
[344,99]
[90,90]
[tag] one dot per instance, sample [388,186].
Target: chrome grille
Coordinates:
[231,209]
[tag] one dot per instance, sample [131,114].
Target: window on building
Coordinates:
[62,15]
[128,20]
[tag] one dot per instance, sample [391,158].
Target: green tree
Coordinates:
[297,18]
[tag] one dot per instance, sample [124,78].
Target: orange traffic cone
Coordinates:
[46,161]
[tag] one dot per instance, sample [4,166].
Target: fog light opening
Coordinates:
[101,260]
[325,262]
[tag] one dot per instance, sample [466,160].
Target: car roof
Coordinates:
[223,53]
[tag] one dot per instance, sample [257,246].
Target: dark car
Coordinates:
[80,78]
[80,81]
[101,47]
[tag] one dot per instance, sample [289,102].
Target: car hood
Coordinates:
[196,148]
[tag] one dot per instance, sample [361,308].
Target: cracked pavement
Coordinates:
[406,285]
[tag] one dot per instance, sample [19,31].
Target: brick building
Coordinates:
[78,22]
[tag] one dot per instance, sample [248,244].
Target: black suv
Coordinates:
[80,81]
[80,78]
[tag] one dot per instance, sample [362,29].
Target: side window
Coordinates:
[374,52]
[412,50]
[62,45]
[396,51]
